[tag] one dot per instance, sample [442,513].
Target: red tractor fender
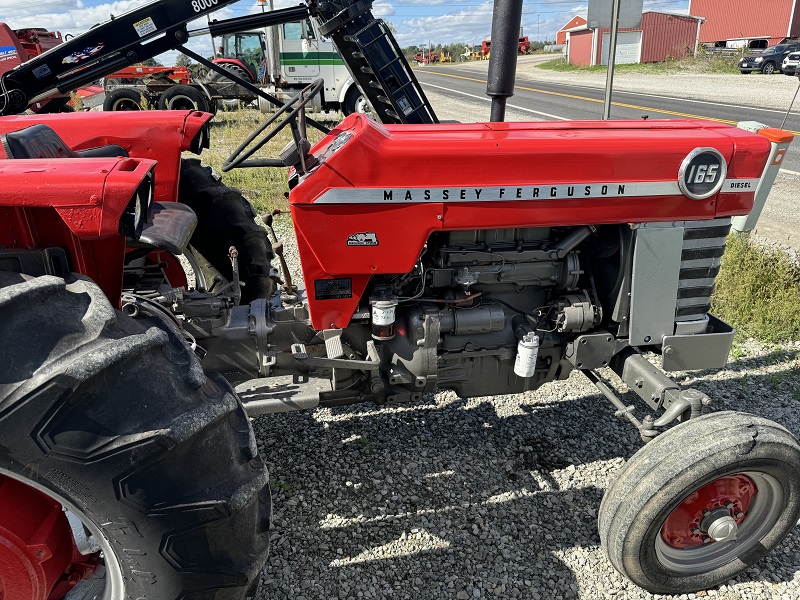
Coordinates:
[154,135]
[76,204]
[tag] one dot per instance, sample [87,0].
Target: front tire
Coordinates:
[768,68]
[114,419]
[665,522]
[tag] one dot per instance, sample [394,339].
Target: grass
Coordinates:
[758,291]
[264,187]
[704,63]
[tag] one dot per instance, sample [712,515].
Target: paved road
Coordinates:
[537,100]
[550,101]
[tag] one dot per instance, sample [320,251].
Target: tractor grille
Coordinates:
[703,247]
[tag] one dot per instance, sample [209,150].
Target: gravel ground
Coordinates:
[482,498]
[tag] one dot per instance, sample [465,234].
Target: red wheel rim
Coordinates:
[38,558]
[684,527]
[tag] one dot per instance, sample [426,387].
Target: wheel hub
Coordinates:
[38,559]
[710,514]
[723,529]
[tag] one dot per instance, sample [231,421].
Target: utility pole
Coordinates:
[612,54]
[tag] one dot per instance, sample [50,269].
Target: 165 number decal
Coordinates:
[702,173]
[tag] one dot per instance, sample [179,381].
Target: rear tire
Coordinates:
[221,83]
[224,219]
[114,418]
[122,99]
[656,519]
[183,97]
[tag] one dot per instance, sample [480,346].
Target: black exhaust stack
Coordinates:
[506,22]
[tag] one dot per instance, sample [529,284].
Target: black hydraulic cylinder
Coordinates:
[506,22]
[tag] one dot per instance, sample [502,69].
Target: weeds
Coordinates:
[758,291]
[282,486]
[76,101]
[704,63]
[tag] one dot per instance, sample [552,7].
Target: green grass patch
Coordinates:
[704,63]
[758,291]
[264,187]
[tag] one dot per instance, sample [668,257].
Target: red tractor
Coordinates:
[426,57]
[128,467]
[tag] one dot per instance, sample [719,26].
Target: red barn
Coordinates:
[660,37]
[739,22]
[561,36]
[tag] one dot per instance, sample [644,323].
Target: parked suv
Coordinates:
[789,66]
[769,61]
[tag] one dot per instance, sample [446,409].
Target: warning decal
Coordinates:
[145,27]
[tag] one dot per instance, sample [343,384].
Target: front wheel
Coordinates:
[702,502]
[768,69]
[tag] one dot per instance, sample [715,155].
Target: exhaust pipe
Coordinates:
[506,21]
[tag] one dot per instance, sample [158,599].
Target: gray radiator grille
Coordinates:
[703,247]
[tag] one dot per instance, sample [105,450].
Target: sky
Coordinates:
[416,22]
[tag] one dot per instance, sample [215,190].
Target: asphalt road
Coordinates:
[549,101]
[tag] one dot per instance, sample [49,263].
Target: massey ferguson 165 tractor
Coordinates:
[128,466]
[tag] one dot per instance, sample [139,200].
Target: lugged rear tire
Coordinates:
[114,416]
[224,219]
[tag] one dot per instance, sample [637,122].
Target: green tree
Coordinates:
[183,61]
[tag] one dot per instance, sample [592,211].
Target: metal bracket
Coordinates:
[593,350]
[300,353]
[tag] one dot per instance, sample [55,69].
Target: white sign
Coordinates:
[630,13]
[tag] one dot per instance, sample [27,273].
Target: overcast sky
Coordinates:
[416,21]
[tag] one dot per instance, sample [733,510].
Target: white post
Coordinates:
[612,54]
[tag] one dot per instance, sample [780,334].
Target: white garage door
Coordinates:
[628,45]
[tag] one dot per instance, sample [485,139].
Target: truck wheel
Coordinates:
[122,99]
[112,419]
[224,219]
[355,102]
[183,97]
[702,502]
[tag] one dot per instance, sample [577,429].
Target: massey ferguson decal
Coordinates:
[574,191]
[362,239]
